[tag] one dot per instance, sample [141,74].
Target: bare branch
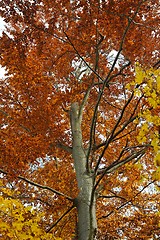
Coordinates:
[143,25]
[112,167]
[112,133]
[21,196]
[156,65]
[129,201]
[122,151]
[83,58]
[113,136]
[41,186]
[114,196]
[120,72]
[54,224]
[107,79]
[44,29]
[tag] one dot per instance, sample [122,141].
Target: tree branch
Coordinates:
[54,224]
[41,186]
[112,167]
[21,125]
[156,65]
[129,201]
[131,119]
[71,43]
[112,133]
[114,196]
[64,147]
[83,103]
[107,79]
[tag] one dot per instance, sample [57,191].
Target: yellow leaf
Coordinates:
[156,174]
[157,159]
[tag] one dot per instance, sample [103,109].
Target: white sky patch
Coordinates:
[80,68]
[151,189]
[111,57]
[117,189]
[2,26]
[2,72]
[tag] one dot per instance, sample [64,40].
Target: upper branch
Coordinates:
[83,58]
[107,79]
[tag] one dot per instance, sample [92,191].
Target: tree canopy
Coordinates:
[80,119]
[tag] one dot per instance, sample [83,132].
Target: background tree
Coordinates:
[79,127]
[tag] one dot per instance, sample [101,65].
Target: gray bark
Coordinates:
[86,208]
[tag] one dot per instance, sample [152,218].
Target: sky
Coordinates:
[1,25]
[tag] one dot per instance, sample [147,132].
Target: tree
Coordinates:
[79,131]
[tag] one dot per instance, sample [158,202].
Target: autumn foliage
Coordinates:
[58,61]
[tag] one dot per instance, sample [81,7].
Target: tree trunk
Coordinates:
[85,205]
